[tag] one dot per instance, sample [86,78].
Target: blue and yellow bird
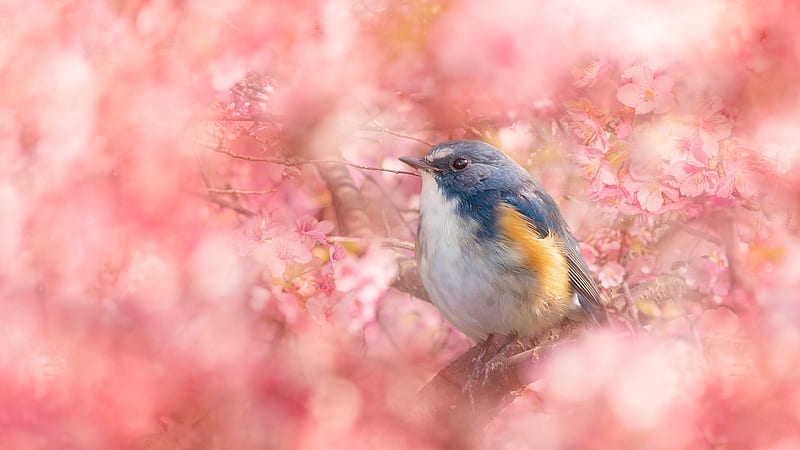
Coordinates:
[493,251]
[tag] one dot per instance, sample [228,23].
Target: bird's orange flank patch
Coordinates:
[543,255]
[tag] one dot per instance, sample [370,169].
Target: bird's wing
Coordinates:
[545,219]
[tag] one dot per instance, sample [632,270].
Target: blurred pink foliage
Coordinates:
[158,292]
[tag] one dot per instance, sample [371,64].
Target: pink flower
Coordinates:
[713,122]
[277,246]
[289,249]
[311,227]
[696,150]
[625,128]
[646,93]
[649,188]
[337,252]
[598,171]
[587,76]
[741,175]
[641,268]
[607,243]
[694,181]
[611,275]
[649,195]
[363,281]
[305,287]
[590,254]
[709,274]
[587,129]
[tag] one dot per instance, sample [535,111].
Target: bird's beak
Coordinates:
[419,164]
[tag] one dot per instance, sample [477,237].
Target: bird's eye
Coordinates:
[460,163]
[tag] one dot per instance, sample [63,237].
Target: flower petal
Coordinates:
[629,95]
[645,107]
[650,198]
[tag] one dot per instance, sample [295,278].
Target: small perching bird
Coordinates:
[493,250]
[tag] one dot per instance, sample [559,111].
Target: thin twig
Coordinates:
[738,276]
[698,342]
[391,202]
[307,161]
[384,242]
[239,191]
[209,196]
[379,129]
[525,354]
[261,117]
[230,205]
[626,293]
[696,232]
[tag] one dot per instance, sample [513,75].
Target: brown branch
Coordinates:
[228,205]
[287,163]
[348,204]
[630,303]
[384,242]
[448,402]
[736,269]
[407,279]
[465,413]
[390,201]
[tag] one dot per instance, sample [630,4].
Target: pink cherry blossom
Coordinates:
[713,121]
[694,181]
[743,174]
[611,275]
[587,129]
[625,128]
[337,252]
[650,194]
[597,170]
[607,243]
[646,93]
[589,253]
[640,268]
[588,76]
[311,227]
[695,150]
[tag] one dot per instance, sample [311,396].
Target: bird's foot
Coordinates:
[497,362]
[476,372]
[482,370]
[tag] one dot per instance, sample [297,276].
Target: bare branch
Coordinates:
[239,191]
[408,280]
[696,232]
[228,204]
[446,394]
[379,129]
[348,204]
[384,242]
[307,161]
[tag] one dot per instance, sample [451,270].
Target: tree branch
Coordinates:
[220,149]
[348,204]
[385,242]
[448,401]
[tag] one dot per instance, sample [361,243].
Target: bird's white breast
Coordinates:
[480,286]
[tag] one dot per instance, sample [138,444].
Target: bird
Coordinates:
[493,249]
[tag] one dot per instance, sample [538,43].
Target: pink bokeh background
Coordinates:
[157,291]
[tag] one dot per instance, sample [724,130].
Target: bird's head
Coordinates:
[463,169]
